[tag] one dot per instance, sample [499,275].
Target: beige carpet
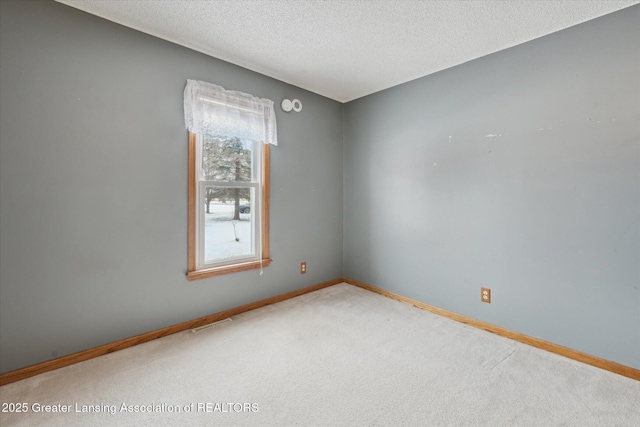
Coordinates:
[341,356]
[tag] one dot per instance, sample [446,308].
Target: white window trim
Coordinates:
[256,202]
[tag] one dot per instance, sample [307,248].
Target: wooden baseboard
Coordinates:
[50,365]
[607,365]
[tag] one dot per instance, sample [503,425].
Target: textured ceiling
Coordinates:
[347,49]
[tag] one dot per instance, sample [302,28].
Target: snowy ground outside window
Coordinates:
[219,236]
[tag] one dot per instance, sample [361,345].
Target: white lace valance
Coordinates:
[209,108]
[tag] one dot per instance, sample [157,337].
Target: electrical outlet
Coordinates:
[303,267]
[485,295]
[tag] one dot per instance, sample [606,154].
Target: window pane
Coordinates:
[228,223]
[226,159]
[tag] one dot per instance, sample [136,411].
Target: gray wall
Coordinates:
[546,213]
[93,185]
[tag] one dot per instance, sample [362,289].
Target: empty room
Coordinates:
[323,213]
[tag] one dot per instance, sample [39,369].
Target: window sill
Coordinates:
[217,271]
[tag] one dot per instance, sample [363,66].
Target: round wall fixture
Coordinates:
[287,105]
[297,105]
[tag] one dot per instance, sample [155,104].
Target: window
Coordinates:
[228,179]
